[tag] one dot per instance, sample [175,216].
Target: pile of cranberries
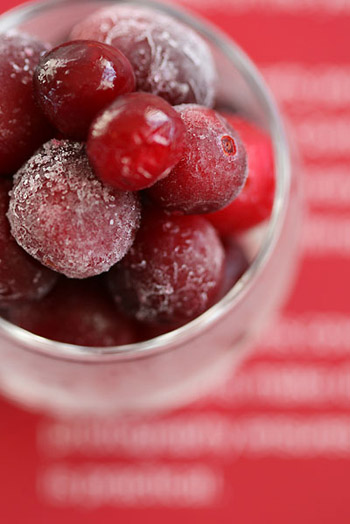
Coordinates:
[122,187]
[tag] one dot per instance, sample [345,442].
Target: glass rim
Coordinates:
[62,351]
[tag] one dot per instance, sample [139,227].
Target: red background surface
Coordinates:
[273,445]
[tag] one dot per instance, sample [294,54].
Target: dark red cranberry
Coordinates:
[254,203]
[136,141]
[61,214]
[212,170]
[76,80]
[170,60]
[236,263]
[23,127]
[21,277]
[76,312]
[148,331]
[173,271]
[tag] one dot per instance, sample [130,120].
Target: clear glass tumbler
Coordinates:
[174,368]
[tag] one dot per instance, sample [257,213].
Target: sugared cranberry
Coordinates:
[75,312]
[136,141]
[61,214]
[212,170]
[23,127]
[172,272]
[236,263]
[169,58]
[254,203]
[76,80]
[21,277]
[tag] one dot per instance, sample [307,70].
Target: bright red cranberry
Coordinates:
[212,170]
[21,277]
[76,80]
[23,127]
[75,312]
[173,271]
[61,214]
[254,203]
[136,141]
[169,58]
[236,263]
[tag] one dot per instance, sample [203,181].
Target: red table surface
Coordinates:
[273,445]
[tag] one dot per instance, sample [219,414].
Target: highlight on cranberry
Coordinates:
[169,59]
[125,197]
[136,141]
[76,80]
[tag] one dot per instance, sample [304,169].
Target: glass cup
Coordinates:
[174,368]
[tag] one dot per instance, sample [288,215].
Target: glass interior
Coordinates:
[241,88]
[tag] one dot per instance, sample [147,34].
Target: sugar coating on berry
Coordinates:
[169,58]
[136,141]
[62,215]
[76,312]
[76,80]
[213,168]
[254,204]
[172,272]
[23,128]
[21,277]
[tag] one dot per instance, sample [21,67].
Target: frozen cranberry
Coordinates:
[21,277]
[61,214]
[212,170]
[169,58]
[136,141]
[172,272]
[75,312]
[236,263]
[23,128]
[76,80]
[254,203]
